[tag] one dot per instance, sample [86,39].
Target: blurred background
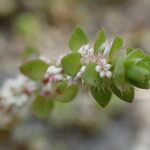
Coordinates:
[81,124]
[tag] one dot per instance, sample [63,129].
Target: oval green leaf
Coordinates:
[102,96]
[126,95]
[115,49]
[34,69]
[72,63]
[100,39]
[78,39]
[137,75]
[91,77]
[42,107]
[65,92]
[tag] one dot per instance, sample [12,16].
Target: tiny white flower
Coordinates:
[107,66]
[102,74]
[46,88]
[86,50]
[98,68]
[54,70]
[58,77]
[108,74]
[103,62]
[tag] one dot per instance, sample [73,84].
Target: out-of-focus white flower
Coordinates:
[5,119]
[53,74]
[103,68]
[16,92]
[46,89]
[86,50]
[54,70]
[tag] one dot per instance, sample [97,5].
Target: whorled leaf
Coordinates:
[72,63]
[34,69]
[65,92]
[102,96]
[78,39]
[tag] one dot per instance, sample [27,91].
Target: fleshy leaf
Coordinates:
[137,75]
[100,39]
[72,63]
[134,56]
[42,107]
[102,96]
[115,49]
[65,92]
[78,39]
[91,77]
[34,69]
[119,72]
[124,94]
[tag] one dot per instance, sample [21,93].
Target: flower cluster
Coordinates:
[53,74]
[103,68]
[16,94]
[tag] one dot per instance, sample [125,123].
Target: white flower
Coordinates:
[46,89]
[58,77]
[54,70]
[13,91]
[5,119]
[104,69]
[86,50]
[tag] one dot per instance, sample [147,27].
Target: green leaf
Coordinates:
[119,72]
[42,107]
[124,94]
[115,49]
[130,49]
[65,92]
[34,69]
[91,77]
[102,96]
[101,38]
[72,63]
[134,56]
[78,39]
[137,75]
